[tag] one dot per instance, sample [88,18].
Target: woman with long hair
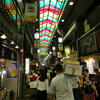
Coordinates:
[42,85]
[88,89]
[97,84]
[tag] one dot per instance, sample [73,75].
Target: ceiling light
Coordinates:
[37,29]
[36,35]
[71,3]
[21,50]
[53,48]
[60,39]
[50,52]
[12,42]
[16,47]
[62,20]
[3,36]
[38,50]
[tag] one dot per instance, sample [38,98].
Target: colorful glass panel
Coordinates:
[50,15]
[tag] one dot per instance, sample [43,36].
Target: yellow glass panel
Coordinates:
[41,26]
[52,26]
[61,0]
[48,24]
[50,14]
[44,25]
[46,14]
[55,16]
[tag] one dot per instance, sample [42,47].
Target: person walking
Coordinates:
[42,86]
[61,85]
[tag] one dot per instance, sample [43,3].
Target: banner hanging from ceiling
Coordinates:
[12,69]
[30,12]
[54,53]
[60,47]
[36,43]
[59,54]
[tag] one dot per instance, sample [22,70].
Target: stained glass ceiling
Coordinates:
[50,15]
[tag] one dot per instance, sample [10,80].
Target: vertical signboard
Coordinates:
[27,65]
[88,44]
[60,47]
[30,12]
[12,69]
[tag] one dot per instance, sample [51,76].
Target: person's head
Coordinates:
[59,68]
[96,70]
[43,75]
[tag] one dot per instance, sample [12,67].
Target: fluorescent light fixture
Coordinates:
[17,47]
[3,36]
[62,20]
[36,35]
[60,40]
[19,0]
[27,65]
[53,48]
[12,42]
[71,3]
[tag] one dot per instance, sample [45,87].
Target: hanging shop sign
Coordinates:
[67,50]
[36,43]
[59,54]
[12,69]
[27,65]
[72,69]
[60,47]
[54,53]
[87,44]
[30,12]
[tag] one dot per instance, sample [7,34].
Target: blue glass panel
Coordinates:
[54,20]
[58,5]
[53,3]
[42,28]
[50,18]
[65,3]
[47,2]
[49,28]
[8,1]
[41,4]
[62,4]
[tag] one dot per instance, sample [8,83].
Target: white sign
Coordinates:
[73,69]
[27,65]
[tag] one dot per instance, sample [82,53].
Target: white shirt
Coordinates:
[33,84]
[61,86]
[42,85]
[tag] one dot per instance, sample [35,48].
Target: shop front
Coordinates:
[8,73]
[89,49]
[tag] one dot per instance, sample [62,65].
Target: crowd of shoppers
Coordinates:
[53,84]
